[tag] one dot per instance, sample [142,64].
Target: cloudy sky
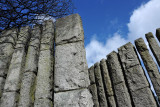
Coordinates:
[109,24]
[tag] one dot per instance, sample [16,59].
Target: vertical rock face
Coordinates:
[149,64]
[100,88]
[7,43]
[93,87]
[30,70]
[44,84]
[71,70]
[107,83]
[136,79]
[120,89]
[158,34]
[153,46]
[12,83]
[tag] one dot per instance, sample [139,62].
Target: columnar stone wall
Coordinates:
[120,80]
[45,66]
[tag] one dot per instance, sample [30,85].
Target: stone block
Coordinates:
[91,75]
[93,90]
[154,46]
[100,86]
[158,34]
[9,99]
[43,103]
[28,87]
[69,29]
[71,70]
[122,95]
[2,80]
[74,98]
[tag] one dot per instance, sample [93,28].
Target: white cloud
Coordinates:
[144,19]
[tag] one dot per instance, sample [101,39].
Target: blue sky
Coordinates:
[108,24]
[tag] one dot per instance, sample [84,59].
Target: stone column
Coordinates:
[158,34]
[8,40]
[30,70]
[136,79]
[71,78]
[149,64]
[44,81]
[100,88]
[93,87]
[153,46]
[121,92]
[12,84]
[107,84]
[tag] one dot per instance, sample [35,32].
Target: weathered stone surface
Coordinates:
[135,77]
[71,70]
[142,98]
[9,99]
[153,46]
[121,92]
[100,88]
[43,103]
[44,81]
[27,90]
[91,75]
[93,90]
[31,63]
[107,83]
[158,34]
[2,80]
[69,29]
[149,64]
[74,98]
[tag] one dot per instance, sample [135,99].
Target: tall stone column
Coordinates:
[71,78]
[8,40]
[149,64]
[153,46]
[30,70]
[135,77]
[158,34]
[107,84]
[121,92]
[10,94]
[44,81]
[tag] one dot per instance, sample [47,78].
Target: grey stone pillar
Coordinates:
[153,46]
[121,92]
[107,84]
[149,64]
[44,81]
[8,40]
[71,71]
[100,88]
[93,87]
[136,79]
[12,84]
[158,34]
[30,70]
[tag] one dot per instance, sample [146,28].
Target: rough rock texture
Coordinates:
[100,88]
[44,84]
[70,67]
[31,65]
[69,29]
[74,98]
[153,46]
[107,83]
[91,75]
[7,43]
[135,77]
[121,92]
[12,83]
[149,64]
[158,34]
[93,90]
